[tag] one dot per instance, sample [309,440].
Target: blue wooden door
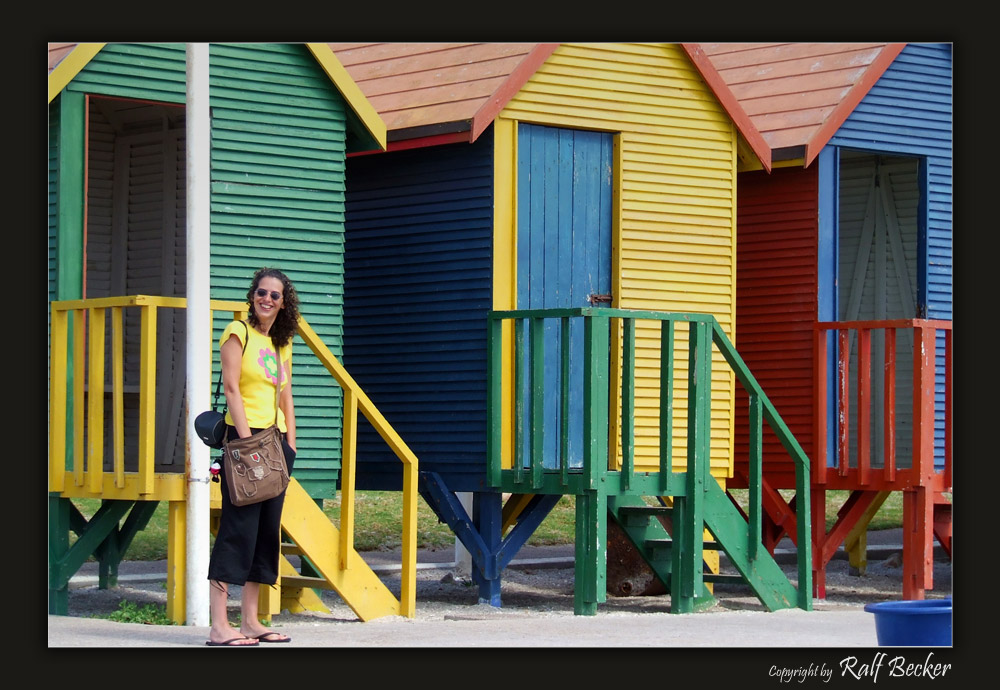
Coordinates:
[563,253]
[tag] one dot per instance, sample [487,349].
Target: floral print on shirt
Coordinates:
[268,360]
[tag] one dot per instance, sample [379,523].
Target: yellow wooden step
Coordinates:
[319,540]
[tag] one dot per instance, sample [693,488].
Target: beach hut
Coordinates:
[844,282]
[596,179]
[283,118]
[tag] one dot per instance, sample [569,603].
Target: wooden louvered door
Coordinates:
[879,198]
[136,246]
[564,253]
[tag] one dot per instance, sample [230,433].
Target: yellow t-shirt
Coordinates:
[258,375]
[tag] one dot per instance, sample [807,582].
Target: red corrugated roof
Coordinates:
[435,90]
[57,51]
[798,94]
[428,89]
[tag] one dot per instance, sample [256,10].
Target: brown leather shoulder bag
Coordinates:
[255,466]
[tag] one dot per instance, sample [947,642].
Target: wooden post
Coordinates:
[537,432]
[889,386]
[843,381]
[864,404]
[819,423]
[666,405]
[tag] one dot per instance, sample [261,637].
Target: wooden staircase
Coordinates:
[608,483]
[317,541]
[756,567]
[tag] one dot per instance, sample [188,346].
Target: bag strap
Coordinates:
[277,386]
[218,384]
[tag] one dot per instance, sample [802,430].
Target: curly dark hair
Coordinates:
[287,322]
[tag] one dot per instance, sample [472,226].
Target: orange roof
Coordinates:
[57,51]
[798,94]
[430,89]
[443,92]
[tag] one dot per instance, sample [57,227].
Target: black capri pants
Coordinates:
[248,543]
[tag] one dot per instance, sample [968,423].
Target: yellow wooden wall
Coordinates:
[675,202]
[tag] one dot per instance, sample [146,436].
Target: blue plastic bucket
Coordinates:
[922,623]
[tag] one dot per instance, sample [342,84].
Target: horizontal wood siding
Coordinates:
[419,232]
[53,218]
[278,165]
[909,111]
[150,71]
[277,198]
[677,234]
[776,293]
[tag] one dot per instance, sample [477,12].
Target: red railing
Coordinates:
[925,335]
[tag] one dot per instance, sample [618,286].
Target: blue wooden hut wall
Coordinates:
[908,112]
[418,274]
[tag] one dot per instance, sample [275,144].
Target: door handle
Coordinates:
[599,299]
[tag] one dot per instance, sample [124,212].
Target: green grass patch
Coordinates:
[378,522]
[889,515]
[149,544]
[559,526]
[130,612]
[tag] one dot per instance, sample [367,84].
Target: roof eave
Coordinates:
[847,105]
[730,103]
[74,61]
[509,88]
[368,117]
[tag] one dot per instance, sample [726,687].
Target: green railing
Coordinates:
[526,439]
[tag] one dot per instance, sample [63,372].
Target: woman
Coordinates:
[247,546]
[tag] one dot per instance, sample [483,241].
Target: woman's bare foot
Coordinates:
[229,637]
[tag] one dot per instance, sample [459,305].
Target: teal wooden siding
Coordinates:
[278,166]
[53,201]
[149,71]
[279,130]
[53,212]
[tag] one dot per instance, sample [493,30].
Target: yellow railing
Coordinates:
[78,327]
[355,399]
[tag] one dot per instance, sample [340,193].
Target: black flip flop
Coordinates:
[263,637]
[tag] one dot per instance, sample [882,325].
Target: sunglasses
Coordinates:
[275,296]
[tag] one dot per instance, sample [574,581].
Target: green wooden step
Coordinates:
[638,516]
[724,577]
[730,531]
[659,549]
[624,509]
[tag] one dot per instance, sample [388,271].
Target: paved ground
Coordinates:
[537,610]
[480,625]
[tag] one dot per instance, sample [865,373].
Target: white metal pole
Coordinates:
[199,331]
[463,559]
